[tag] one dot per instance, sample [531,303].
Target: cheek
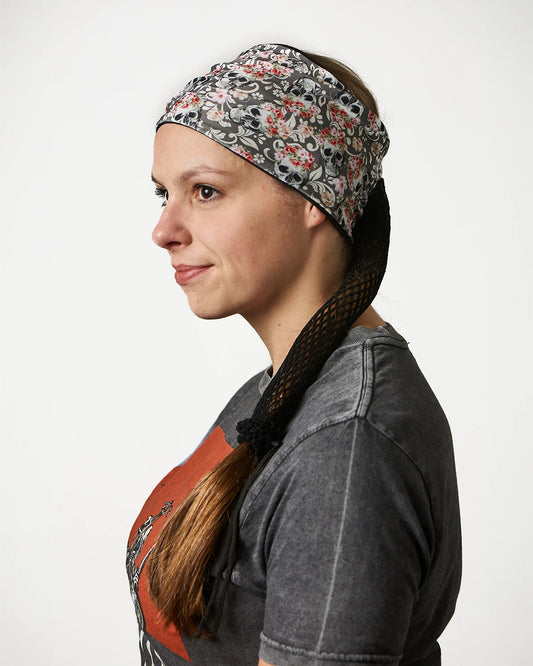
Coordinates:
[261,241]
[266,251]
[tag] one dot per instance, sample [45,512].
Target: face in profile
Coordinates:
[238,241]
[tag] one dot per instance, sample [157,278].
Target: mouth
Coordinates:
[184,273]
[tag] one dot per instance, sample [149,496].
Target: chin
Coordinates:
[210,311]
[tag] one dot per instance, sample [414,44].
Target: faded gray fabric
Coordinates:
[349,547]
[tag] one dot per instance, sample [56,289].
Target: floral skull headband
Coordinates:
[293,119]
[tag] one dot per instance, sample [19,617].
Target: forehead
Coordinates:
[181,147]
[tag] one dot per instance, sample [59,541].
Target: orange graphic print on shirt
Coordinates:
[169,493]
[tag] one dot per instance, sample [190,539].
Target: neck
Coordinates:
[279,322]
[279,329]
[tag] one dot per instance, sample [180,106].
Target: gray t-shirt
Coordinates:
[349,542]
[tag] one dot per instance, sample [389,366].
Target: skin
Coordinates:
[242,243]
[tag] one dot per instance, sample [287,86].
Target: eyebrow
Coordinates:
[195,171]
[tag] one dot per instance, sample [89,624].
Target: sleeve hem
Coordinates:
[280,654]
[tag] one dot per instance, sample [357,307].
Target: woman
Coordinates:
[318,521]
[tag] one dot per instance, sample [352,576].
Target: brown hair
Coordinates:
[348,78]
[178,566]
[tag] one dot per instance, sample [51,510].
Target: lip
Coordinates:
[184,273]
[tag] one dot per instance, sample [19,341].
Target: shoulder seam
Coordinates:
[367,383]
[398,446]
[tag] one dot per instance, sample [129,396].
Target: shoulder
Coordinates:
[372,375]
[370,409]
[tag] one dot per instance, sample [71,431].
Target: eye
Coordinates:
[163,194]
[205,192]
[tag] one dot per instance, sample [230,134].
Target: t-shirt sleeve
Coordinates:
[347,549]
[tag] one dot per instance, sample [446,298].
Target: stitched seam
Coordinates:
[413,463]
[364,378]
[337,656]
[339,540]
[367,381]
[400,447]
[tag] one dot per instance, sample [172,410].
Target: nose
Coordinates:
[171,229]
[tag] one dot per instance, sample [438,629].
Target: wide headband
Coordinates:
[294,120]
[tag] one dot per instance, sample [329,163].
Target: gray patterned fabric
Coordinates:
[293,119]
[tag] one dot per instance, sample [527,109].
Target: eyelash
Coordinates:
[163,194]
[160,192]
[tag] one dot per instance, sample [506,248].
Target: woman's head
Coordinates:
[294,119]
[239,241]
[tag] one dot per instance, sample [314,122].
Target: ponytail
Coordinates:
[179,561]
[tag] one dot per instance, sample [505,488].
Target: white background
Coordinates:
[108,381]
